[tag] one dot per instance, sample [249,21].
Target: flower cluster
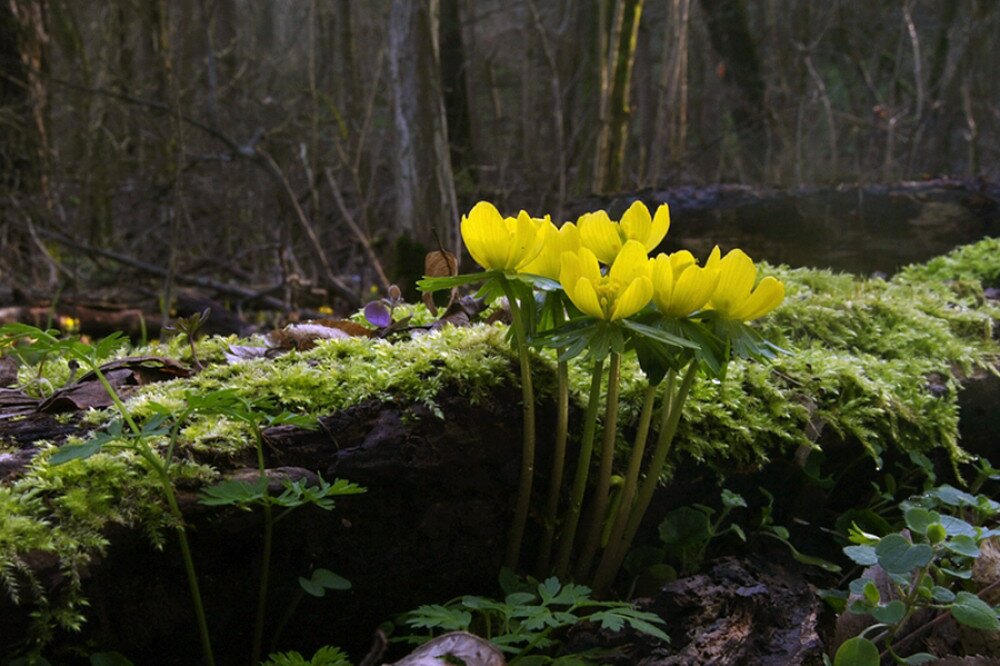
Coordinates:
[604,295]
[574,253]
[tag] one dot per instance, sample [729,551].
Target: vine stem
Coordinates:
[113,394]
[674,407]
[568,536]
[601,493]
[168,489]
[602,577]
[516,536]
[192,577]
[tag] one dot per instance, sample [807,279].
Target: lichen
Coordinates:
[860,352]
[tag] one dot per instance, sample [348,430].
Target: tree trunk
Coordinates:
[729,33]
[425,190]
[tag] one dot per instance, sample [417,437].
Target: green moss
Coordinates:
[861,351]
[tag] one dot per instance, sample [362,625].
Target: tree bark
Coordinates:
[426,209]
[729,32]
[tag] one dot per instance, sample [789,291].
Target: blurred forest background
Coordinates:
[309,150]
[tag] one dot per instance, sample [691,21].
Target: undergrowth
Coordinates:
[862,353]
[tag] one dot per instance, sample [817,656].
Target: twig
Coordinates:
[153,269]
[361,236]
[338,285]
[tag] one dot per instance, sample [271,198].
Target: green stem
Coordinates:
[566,540]
[600,503]
[558,469]
[192,577]
[265,559]
[602,578]
[649,484]
[113,394]
[528,445]
[265,570]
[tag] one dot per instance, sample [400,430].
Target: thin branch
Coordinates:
[359,234]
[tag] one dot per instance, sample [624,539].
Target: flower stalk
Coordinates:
[568,535]
[673,408]
[620,516]
[599,508]
[558,461]
[516,536]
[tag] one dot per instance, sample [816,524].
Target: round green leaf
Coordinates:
[863,555]
[857,651]
[919,520]
[891,613]
[897,555]
[972,611]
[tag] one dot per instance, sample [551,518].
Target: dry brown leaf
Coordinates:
[304,336]
[440,263]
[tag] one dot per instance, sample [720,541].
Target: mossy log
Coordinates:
[878,370]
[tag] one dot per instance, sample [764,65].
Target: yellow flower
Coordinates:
[625,290]
[680,286]
[554,243]
[498,243]
[735,297]
[605,238]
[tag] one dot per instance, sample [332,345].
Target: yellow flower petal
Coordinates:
[600,235]
[630,264]
[585,298]
[693,289]
[659,228]
[767,296]
[485,235]
[636,222]
[633,299]
[680,260]
[524,245]
[736,277]
[663,281]
[554,242]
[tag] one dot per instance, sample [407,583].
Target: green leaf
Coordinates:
[857,651]
[953,496]
[920,658]
[963,545]
[615,619]
[956,526]
[68,452]
[972,611]
[872,595]
[942,595]
[435,616]
[732,500]
[685,526]
[897,555]
[919,520]
[322,580]
[891,613]
[439,283]
[235,492]
[658,335]
[863,555]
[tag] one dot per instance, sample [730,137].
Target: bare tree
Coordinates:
[425,189]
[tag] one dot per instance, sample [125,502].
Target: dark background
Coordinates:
[313,149]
